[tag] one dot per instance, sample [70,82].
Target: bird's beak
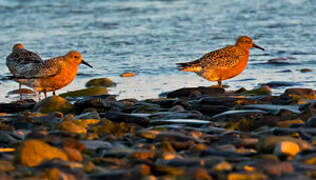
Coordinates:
[256,46]
[85,63]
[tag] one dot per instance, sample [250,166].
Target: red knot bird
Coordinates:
[20,60]
[223,63]
[53,74]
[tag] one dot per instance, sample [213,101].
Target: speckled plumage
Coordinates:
[53,74]
[223,63]
[20,61]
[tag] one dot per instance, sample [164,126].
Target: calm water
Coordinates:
[150,36]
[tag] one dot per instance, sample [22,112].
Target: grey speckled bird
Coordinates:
[20,61]
[223,63]
[53,74]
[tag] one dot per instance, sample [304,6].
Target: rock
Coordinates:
[175,136]
[71,126]
[96,144]
[311,122]
[93,91]
[275,109]
[53,104]
[128,74]
[288,123]
[189,122]
[223,166]
[15,107]
[177,108]
[187,92]
[6,166]
[125,117]
[100,82]
[54,173]
[202,174]
[268,144]
[101,104]
[143,155]
[305,70]
[23,91]
[297,94]
[276,84]
[34,152]
[286,148]
[148,134]
[239,113]
[73,154]
[246,176]
[277,169]
[168,170]
[74,144]
[263,90]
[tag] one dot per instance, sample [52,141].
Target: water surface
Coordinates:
[150,36]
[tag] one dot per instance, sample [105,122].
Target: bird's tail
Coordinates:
[189,66]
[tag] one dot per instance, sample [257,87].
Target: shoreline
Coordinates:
[200,132]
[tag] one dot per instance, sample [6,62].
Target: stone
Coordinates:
[236,113]
[96,144]
[6,166]
[297,94]
[246,176]
[311,122]
[93,91]
[288,123]
[71,126]
[53,104]
[73,154]
[189,122]
[34,152]
[305,70]
[276,84]
[15,107]
[268,143]
[23,91]
[286,148]
[277,169]
[275,109]
[100,82]
[263,90]
[148,134]
[223,166]
[128,74]
[187,92]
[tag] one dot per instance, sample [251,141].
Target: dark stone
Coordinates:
[188,122]
[187,92]
[233,114]
[124,117]
[101,104]
[311,122]
[276,84]
[16,106]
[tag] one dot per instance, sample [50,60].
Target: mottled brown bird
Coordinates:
[53,74]
[223,63]
[20,61]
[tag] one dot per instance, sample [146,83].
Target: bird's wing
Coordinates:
[24,57]
[222,58]
[45,69]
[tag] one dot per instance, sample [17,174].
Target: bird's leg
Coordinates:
[20,91]
[39,95]
[45,93]
[54,94]
[219,83]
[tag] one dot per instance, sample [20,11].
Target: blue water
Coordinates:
[150,36]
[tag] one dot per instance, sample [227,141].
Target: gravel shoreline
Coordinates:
[192,133]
